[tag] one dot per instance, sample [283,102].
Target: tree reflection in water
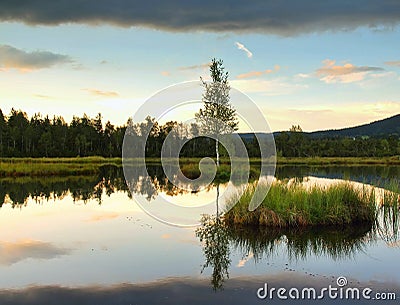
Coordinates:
[213,235]
[147,181]
[218,239]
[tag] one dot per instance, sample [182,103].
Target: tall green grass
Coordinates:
[16,167]
[290,205]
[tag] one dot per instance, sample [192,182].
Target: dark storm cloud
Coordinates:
[14,58]
[285,17]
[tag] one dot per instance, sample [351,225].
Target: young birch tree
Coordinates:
[217,116]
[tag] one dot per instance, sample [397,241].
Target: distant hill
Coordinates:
[383,127]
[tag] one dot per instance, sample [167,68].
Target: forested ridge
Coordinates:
[42,136]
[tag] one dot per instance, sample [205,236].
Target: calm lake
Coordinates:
[84,240]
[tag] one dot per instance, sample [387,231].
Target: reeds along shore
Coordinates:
[42,167]
[290,205]
[16,167]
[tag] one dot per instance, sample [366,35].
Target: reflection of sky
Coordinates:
[238,290]
[375,264]
[13,252]
[66,243]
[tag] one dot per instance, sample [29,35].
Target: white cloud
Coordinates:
[303,75]
[241,46]
[347,73]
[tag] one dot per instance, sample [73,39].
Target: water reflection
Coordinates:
[110,179]
[375,175]
[16,191]
[388,223]
[14,252]
[150,181]
[300,243]
[265,242]
[215,241]
[220,243]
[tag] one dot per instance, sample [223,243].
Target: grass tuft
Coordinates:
[291,205]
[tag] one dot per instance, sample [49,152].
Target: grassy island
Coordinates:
[290,205]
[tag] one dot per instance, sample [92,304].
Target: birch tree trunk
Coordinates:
[217,151]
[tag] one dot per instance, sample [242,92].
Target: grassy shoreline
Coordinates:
[42,167]
[16,167]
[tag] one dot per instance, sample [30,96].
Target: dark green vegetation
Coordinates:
[376,139]
[40,136]
[292,205]
[299,144]
[371,140]
[40,167]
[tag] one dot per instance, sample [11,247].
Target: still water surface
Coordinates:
[81,232]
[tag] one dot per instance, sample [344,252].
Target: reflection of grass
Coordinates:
[329,241]
[223,174]
[387,218]
[217,237]
[296,205]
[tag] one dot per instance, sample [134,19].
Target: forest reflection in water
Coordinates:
[219,241]
[150,181]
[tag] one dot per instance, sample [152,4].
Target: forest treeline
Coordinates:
[295,143]
[41,136]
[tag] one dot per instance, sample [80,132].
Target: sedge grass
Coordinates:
[16,167]
[19,167]
[291,205]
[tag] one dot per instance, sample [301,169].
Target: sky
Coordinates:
[317,64]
